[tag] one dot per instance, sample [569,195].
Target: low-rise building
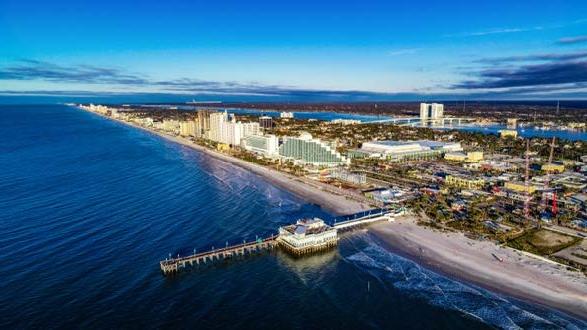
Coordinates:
[508,133]
[286,114]
[346,121]
[553,167]
[519,186]
[348,176]
[464,182]
[469,157]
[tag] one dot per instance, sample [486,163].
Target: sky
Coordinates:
[160,51]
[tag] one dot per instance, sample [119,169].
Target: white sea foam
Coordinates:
[420,283]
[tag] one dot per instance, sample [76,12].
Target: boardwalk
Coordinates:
[382,215]
[173,265]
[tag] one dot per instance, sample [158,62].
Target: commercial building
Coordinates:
[266,122]
[464,182]
[348,176]
[266,145]
[346,121]
[553,167]
[405,150]
[572,181]
[387,196]
[469,157]
[286,114]
[508,133]
[307,150]
[307,236]
[431,111]
[519,186]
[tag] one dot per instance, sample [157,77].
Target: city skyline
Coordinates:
[373,51]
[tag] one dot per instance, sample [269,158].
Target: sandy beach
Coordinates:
[459,257]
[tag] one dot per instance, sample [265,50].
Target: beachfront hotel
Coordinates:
[266,145]
[307,150]
[229,131]
[307,236]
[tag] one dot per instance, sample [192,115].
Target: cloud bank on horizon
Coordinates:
[368,51]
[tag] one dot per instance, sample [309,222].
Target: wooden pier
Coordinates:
[173,265]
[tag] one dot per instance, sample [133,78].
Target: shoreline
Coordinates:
[313,193]
[456,256]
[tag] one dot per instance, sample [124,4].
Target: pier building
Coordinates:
[307,236]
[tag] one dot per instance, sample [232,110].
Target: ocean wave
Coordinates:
[420,283]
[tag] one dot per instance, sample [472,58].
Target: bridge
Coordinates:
[415,121]
[173,265]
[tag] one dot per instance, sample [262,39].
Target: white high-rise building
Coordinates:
[217,119]
[230,132]
[431,111]
[266,145]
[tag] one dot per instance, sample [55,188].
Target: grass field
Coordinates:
[543,242]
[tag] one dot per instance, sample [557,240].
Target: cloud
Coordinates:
[28,69]
[493,31]
[504,30]
[534,58]
[572,40]
[551,73]
[405,51]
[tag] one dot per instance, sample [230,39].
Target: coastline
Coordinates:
[452,254]
[313,192]
[459,257]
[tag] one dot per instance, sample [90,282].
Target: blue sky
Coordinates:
[295,50]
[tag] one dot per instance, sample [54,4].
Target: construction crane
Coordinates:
[526,182]
[554,207]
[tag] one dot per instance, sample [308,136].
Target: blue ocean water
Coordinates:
[89,206]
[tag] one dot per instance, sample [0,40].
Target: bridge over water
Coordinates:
[415,121]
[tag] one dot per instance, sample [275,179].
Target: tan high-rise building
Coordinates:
[203,123]
[187,128]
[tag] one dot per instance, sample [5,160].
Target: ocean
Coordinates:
[89,206]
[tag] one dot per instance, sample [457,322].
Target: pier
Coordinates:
[382,215]
[304,237]
[173,265]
